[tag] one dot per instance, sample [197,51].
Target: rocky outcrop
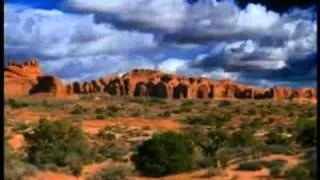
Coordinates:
[21,79]
[49,85]
[28,78]
[143,82]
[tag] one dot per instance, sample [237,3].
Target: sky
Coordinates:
[261,43]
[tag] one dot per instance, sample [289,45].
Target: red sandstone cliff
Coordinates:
[27,78]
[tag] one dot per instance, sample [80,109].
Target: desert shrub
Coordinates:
[59,143]
[275,171]
[165,114]
[156,101]
[250,166]
[16,104]
[298,172]
[21,126]
[113,108]
[187,103]
[106,136]
[111,173]
[310,161]
[136,113]
[224,103]
[275,167]
[100,116]
[255,124]
[99,110]
[275,137]
[208,147]
[14,166]
[206,102]
[208,120]
[306,132]
[243,138]
[78,109]
[182,110]
[277,149]
[109,150]
[252,112]
[164,154]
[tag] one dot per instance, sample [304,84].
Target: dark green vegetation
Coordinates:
[164,154]
[15,165]
[57,143]
[215,133]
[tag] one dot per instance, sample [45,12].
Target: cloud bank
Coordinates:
[205,37]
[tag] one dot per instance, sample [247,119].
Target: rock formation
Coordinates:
[27,78]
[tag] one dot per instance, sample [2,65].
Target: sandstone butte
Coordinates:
[28,79]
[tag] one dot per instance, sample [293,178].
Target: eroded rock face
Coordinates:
[50,85]
[282,93]
[307,93]
[21,79]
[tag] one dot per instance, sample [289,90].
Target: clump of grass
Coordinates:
[16,104]
[208,120]
[224,103]
[165,114]
[100,116]
[78,110]
[20,127]
[182,110]
[187,103]
[157,101]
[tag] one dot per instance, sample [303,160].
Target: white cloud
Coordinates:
[171,65]
[52,33]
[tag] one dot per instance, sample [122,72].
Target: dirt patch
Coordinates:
[93,126]
[16,142]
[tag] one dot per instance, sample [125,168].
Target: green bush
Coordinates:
[164,154]
[209,120]
[243,138]
[165,114]
[224,103]
[277,149]
[306,133]
[100,116]
[21,126]
[16,104]
[298,173]
[78,110]
[58,143]
[252,112]
[14,166]
[276,137]
[111,173]
[187,103]
[109,150]
[157,101]
[250,166]
[113,108]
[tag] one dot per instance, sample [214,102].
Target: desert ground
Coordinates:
[114,127]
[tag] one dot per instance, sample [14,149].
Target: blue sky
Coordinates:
[84,40]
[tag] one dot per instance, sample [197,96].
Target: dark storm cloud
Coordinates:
[250,44]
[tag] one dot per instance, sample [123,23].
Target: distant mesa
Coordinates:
[28,79]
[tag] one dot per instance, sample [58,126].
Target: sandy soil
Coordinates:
[93,126]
